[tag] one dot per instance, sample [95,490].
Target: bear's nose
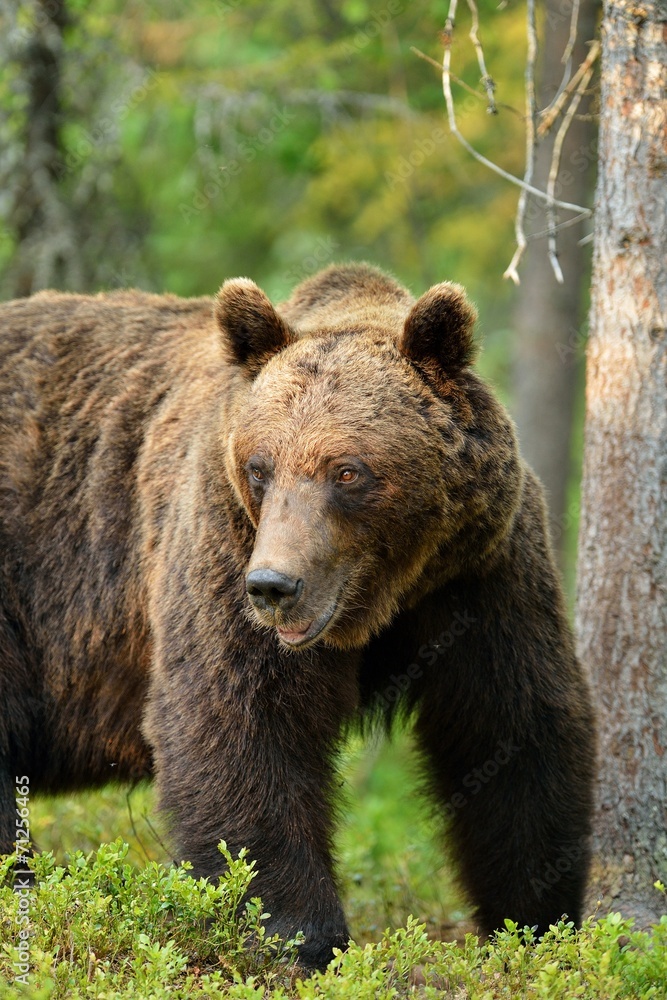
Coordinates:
[269,589]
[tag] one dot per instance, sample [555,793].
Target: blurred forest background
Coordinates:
[171,144]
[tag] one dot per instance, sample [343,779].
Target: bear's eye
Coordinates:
[258,470]
[348,476]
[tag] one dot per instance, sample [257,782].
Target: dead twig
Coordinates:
[554,168]
[487,81]
[451,118]
[574,221]
[456,79]
[512,271]
[572,40]
[566,58]
[461,83]
[550,114]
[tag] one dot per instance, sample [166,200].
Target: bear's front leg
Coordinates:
[507,727]
[244,737]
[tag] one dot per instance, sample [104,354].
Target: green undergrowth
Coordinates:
[101,927]
[388,843]
[121,921]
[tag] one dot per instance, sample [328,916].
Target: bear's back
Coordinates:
[82,378]
[58,335]
[67,361]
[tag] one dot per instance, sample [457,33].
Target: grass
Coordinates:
[115,922]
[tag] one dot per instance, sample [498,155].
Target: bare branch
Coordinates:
[574,221]
[577,85]
[463,84]
[456,79]
[512,271]
[451,117]
[550,114]
[566,58]
[553,170]
[449,23]
[572,40]
[487,81]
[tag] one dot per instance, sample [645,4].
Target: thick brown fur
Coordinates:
[228,531]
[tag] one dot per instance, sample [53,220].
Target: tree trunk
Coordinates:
[622,585]
[46,245]
[549,317]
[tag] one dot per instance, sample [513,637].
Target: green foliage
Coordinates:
[65,824]
[112,924]
[103,928]
[100,925]
[388,843]
[214,138]
[606,959]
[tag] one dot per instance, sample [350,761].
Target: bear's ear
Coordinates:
[437,336]
[252,331]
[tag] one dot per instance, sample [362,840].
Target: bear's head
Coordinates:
[372,462]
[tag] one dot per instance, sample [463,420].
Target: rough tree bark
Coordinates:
[622,585]
[549,317]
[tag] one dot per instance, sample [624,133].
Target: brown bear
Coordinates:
[229,531]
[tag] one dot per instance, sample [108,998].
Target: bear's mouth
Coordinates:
[299,637]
